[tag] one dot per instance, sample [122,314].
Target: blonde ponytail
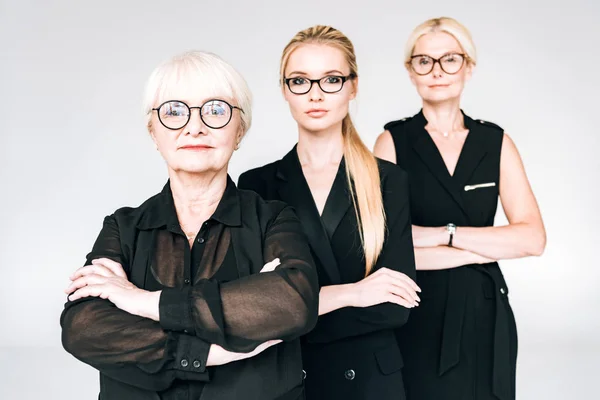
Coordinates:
[363,177]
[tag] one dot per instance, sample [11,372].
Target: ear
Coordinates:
[152,135]
[469,72]
[411,75]
[354,92]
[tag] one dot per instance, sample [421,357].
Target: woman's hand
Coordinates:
[219,356]
[106,279]
[385,285]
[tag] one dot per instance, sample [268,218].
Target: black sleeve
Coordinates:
[397,254]
[131,349]
[239,315]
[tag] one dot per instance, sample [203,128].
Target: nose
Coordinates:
[437,70]
[315,93]
[195,126]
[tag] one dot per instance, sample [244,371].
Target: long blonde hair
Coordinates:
[362,171]
[447,25]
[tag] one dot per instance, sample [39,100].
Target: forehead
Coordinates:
[193,86]
[436,44]
[316,59]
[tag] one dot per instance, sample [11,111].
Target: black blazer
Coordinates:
[352,352]
[143,359]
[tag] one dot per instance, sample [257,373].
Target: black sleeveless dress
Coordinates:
[461,342]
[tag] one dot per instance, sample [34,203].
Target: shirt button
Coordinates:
[186,281]
[197,364]
[350,374]
[184,363]
[502,290]
[200,240]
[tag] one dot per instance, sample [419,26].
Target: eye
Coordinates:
[298,81]
[332,79]
[174,109]
[214,108]
[424,60]
[452,58]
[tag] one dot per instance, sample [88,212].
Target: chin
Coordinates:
[318,124]
[440,97]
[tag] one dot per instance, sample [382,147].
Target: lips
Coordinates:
[316,112]
[195,147]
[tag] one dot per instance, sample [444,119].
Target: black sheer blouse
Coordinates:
[211,293]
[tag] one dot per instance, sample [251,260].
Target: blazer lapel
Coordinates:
[294,190]
[429,153]
[474,150]
[338,202]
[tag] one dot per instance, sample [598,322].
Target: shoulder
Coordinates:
[132,216]
[249,179]
[265,212]
[493,131]
[393,177]
[393,125]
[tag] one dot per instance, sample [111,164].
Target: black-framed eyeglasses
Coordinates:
[328,84]
[450,63]
[214,113]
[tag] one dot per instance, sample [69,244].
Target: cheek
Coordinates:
[296,103]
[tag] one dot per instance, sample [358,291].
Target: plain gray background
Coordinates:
[73,148]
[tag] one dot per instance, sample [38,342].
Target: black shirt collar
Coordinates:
[160,209]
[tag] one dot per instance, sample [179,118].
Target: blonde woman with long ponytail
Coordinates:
[355,212]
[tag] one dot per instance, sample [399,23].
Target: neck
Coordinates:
[197,194]
[443,117]
[320,148]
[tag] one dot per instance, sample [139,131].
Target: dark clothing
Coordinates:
[352,352]
[461,342]
[212,293]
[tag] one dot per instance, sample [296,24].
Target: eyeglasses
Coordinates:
[328,84]
[175,114]
[449,63]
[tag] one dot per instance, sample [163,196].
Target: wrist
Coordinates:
[150,304]
[450,234]
[350,295]
[443,237]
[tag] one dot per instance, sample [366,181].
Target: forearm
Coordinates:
[130,348]
[502,242]
[444,257]
[334,297]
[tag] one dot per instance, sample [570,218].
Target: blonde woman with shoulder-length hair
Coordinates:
[203,287]
[354,210]
[462,341]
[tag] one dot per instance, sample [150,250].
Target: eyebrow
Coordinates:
[445,54]
[333,71]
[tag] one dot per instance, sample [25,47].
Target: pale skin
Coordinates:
[525,234]
[320,150]
[197,158]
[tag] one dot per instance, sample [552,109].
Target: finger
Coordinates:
[91,269]
[114,266]
[402,276]
[390,298]
[85,281]
[408,291]
[89,291]
[404,294]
